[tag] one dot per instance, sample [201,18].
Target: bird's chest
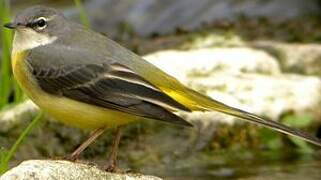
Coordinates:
[63,109]
[23,74]
[19,69]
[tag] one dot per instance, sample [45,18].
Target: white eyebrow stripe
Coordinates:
[47,19]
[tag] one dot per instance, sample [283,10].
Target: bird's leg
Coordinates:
[93,135]
[112,162]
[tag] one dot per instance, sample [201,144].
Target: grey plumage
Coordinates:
[100,82]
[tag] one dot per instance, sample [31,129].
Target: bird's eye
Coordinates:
[41,23]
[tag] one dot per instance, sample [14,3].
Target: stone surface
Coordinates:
[13,117]
[295,58]
[146,17]
[208,61]
[65,170]
[149,16]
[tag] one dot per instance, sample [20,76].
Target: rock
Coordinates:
[17,115]
[65,170]
[295,58]
[149,16]
[205,62]
[146,17]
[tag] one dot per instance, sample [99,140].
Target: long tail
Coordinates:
[197,101]
[269,123]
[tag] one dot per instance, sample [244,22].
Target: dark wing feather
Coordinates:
[110,86]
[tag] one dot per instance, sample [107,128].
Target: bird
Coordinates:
[86,80]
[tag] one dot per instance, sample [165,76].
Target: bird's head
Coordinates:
[36,26]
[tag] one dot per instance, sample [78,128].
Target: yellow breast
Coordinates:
[69,111]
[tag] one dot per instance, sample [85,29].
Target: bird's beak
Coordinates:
[11,25]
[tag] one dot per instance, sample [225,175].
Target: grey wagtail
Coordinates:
[86,80]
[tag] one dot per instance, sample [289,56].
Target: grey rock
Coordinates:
[146,17]
[151,16]
[17,115]
[65,170]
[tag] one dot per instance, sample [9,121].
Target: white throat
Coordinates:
[25,39]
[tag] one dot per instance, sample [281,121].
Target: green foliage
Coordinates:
[3,153]
[271,139]
[301,121]
[7,83]
[6,156]
[6,36]
[83,15]
[274,141]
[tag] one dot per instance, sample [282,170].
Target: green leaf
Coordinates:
[83,15]
[271,139]
[6,39]
[298,121]
[3,153]
[5,161]
[304,147]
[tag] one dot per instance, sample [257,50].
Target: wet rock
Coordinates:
[64,170]
[147,17]
[298,171]
[150,16]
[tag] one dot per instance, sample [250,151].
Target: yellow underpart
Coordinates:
[63,109]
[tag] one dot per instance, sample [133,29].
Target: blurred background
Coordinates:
[263,56]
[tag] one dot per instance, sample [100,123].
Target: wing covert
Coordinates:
[112,86]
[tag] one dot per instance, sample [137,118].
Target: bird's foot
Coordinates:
[111,167]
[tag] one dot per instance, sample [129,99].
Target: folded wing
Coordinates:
[112,86]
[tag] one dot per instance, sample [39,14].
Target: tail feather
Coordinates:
[204,103]
[270,124]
